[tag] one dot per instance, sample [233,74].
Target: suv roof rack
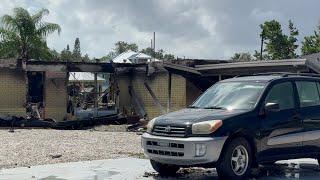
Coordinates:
[287,74]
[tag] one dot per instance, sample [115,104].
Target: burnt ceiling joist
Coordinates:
[69,66]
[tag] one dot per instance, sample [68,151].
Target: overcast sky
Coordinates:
[213,29]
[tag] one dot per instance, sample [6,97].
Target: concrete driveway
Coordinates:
[132,168]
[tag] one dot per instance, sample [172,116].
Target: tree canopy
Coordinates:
[277,44]
[24,35]
[311,44]
[66,54]
[122,46]
[76,54]
[160,54]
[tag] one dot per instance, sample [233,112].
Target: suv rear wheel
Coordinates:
[164,169]
[319,161]
[236,161]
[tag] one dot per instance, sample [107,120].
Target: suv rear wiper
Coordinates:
[214,107]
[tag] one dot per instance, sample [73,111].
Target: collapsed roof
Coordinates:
[133,57]
[83,77]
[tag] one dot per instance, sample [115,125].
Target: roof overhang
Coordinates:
[244,68]
[247,68]
[181,69]
[11,64]
[69,66]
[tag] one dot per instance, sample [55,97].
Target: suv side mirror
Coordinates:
[272,107]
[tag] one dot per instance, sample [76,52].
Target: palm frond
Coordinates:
[7,34]
[9,22]
[20,12]
[36,18]
[22,17]
[47,28]
[24,34]
[10,43]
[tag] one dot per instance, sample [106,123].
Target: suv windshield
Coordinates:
[230,95]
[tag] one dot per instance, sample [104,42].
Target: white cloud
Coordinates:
[197,29]
[262,15]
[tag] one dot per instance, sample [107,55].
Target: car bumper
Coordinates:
[182,151]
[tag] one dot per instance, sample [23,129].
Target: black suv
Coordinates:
[239,123]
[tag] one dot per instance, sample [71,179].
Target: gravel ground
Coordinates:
[110,128]
[29,147]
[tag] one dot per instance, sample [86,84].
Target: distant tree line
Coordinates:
[75,55]
[278,45]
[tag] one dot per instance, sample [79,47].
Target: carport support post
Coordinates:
[96,92]
[169,92]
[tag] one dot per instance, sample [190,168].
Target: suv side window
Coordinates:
[282,94]
[308,93]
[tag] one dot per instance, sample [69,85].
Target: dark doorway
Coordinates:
[35,87]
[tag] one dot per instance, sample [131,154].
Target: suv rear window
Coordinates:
[282,94]
[308,93]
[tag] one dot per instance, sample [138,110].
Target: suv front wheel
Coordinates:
[236,161]
[164,169]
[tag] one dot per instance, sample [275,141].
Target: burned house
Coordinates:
[41,89]
[144,90]
[38,89]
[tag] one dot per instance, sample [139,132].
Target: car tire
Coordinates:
[318,161]
[164,169]
[236,161]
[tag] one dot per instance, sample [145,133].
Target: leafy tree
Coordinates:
[85,58]
[160,54]
[257,55]
[24,35]
[292,40]
[242,57]
[119,48]
[168,57]
[54,55]
[122,46]
[279,45]
[311,44]
[109,56]
[76,54]
[66,54]
[148,51]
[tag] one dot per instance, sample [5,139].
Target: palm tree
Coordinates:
[23,35]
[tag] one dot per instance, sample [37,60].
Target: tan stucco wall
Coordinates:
[12,92]
[123,81]
[55,98]
[159,85]
[192,92]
